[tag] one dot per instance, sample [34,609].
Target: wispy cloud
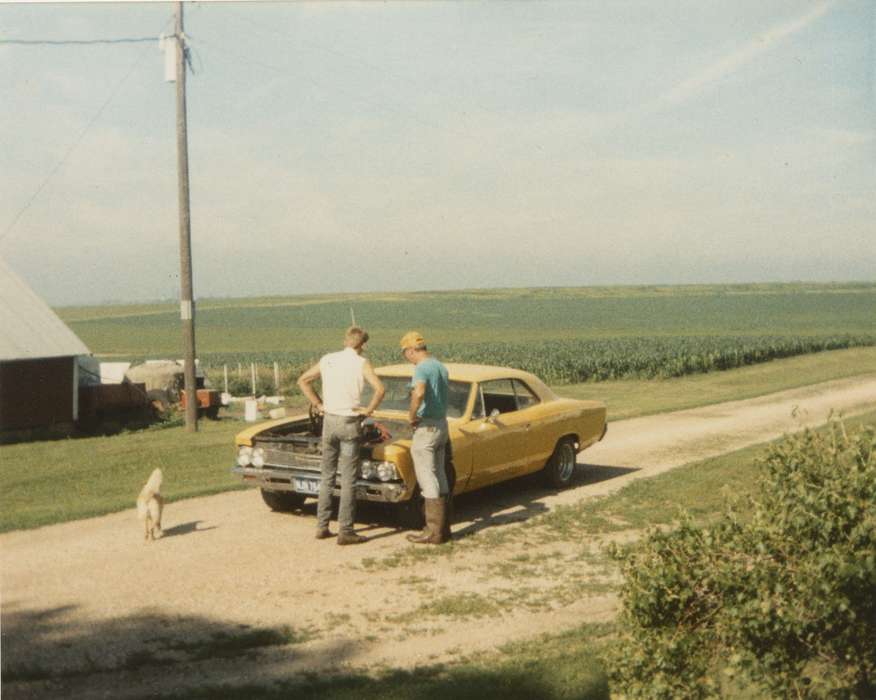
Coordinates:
[734,61]
[707,76]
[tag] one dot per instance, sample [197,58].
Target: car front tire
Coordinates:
[560,468]
[411,514]
[282,501]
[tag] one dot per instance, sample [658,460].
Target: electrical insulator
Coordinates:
[168,45]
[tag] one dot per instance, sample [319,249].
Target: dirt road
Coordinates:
[237,594]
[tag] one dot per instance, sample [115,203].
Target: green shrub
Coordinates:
[780,594]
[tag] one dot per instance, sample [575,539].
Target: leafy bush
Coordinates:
[780,594]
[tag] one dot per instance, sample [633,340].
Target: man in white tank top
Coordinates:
[343,376]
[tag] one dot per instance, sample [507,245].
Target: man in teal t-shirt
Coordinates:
[433,375]
[428,416]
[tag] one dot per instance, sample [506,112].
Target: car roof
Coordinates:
[473,373]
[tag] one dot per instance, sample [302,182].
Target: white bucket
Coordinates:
[251,411]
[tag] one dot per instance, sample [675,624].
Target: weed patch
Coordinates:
[460,605]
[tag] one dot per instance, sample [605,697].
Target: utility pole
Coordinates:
[187,303]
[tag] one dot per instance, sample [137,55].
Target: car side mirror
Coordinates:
[494,414]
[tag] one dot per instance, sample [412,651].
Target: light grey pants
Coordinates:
[428,449]
[341,438]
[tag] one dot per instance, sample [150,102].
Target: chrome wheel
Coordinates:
[561,466]
[566,459]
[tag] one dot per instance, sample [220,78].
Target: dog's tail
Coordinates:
[154,483]
[152,488]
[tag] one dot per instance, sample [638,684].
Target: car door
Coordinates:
[538,433]
[461,441]
[498,440]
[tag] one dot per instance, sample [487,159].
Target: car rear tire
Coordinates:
[282,501]
[560,468]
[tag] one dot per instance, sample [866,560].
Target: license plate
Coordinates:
[307,485]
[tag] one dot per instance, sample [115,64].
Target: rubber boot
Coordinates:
[432,533]
[448,516]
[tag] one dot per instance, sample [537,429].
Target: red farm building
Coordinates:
[39,366]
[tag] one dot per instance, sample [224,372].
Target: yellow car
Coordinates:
[503,423]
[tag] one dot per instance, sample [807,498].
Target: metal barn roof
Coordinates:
[29,329]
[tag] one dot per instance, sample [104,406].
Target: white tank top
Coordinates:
[342,381]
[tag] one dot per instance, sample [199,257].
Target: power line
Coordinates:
[79,42]
[73,146]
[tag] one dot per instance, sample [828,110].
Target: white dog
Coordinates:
[150,504]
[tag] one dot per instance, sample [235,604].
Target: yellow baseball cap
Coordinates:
[412,339]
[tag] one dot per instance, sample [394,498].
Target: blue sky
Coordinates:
[400,146]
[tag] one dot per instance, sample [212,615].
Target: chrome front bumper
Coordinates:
[272,479]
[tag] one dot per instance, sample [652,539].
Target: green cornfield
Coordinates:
[561,361]
[564,335]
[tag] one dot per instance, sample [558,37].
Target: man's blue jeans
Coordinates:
[341,438]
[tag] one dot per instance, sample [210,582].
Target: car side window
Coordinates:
[498,395]
[525,396]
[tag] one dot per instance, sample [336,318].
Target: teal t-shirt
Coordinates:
[434,375]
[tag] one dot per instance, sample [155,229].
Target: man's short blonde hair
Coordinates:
[356,337]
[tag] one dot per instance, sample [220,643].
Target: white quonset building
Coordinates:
[39,368]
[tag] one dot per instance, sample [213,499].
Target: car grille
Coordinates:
[278,457]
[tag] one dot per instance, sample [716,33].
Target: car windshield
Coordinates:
[398,396]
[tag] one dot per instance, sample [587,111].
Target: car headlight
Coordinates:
[258,457]
[368,469]
[386,471]
[244,454]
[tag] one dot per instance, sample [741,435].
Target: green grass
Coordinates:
[461,605]
[56,481]
[700,488]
